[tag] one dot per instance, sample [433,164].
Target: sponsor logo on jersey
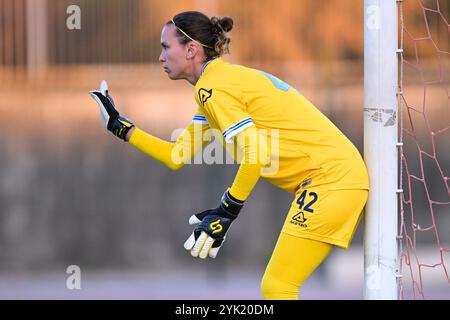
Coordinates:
[204,95]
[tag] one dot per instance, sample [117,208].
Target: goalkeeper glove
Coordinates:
[109,116]
[213,225]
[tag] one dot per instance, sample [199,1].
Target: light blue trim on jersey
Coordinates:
[229,133]
[199,119]
[206,64]
[280,84]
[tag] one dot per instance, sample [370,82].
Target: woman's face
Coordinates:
[173,54]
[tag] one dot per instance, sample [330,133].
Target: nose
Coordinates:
[161,57]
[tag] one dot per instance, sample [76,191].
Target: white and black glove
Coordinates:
[213,224]
[109,116]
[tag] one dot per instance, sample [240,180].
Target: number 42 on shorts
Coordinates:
[305,202]
[302,198]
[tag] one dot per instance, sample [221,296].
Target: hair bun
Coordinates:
[222,24]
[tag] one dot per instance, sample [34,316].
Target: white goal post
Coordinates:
[380,148]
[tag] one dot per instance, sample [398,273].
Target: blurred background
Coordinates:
[72,194]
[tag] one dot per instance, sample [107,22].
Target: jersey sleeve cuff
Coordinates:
[240,126]
[199,119]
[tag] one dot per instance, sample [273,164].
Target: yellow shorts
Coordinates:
[330,216]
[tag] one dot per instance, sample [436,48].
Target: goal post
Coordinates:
[380,148]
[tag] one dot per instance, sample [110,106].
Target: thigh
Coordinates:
[292,262]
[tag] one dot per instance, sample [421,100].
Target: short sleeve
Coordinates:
[199,117]
[226,109]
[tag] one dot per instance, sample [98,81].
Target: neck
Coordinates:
[195,75]
[197,70]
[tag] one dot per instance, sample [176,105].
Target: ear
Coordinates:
[192,49]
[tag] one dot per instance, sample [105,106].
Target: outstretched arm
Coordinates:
[173,155]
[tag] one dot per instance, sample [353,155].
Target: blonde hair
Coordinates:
[222,25]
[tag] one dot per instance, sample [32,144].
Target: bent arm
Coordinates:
[173,155]
[254,150]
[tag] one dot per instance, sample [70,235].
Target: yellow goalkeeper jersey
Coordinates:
[306,148]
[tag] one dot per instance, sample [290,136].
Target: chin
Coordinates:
[173,77]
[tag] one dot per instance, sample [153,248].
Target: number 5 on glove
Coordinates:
[200,243]
[212,226]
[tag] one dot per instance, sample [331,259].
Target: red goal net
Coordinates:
[424,150]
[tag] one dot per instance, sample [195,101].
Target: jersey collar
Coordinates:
[206,64]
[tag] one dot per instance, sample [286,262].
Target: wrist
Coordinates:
[238,193]
[129,134]
[234,198]
[120,127]
[230,205]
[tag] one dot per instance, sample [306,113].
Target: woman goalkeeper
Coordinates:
[274,132]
